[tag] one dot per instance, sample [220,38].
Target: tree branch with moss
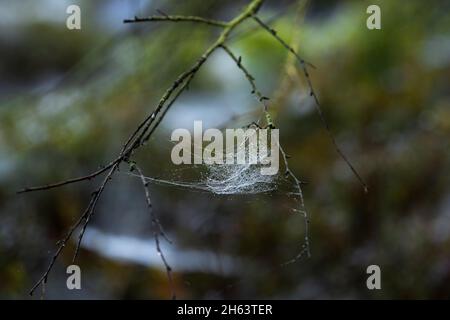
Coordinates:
[145,129]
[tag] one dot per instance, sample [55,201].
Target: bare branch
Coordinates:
[302,209]
[91,210]
[178,18]
[247,74]
[288,172]
[251,79]
[157,230]
[62,243]
[316,99]
[183,87]
[69,181]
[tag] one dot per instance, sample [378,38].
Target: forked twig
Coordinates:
[148,125]
[61,244]
[157,230]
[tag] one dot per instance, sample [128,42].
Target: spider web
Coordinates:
[228,179]
[243,179]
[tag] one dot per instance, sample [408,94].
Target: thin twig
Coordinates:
[316,99]
[251,79]
[157,230]
[288,171]
[69,181]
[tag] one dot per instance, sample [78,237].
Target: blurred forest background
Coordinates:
[69,99]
